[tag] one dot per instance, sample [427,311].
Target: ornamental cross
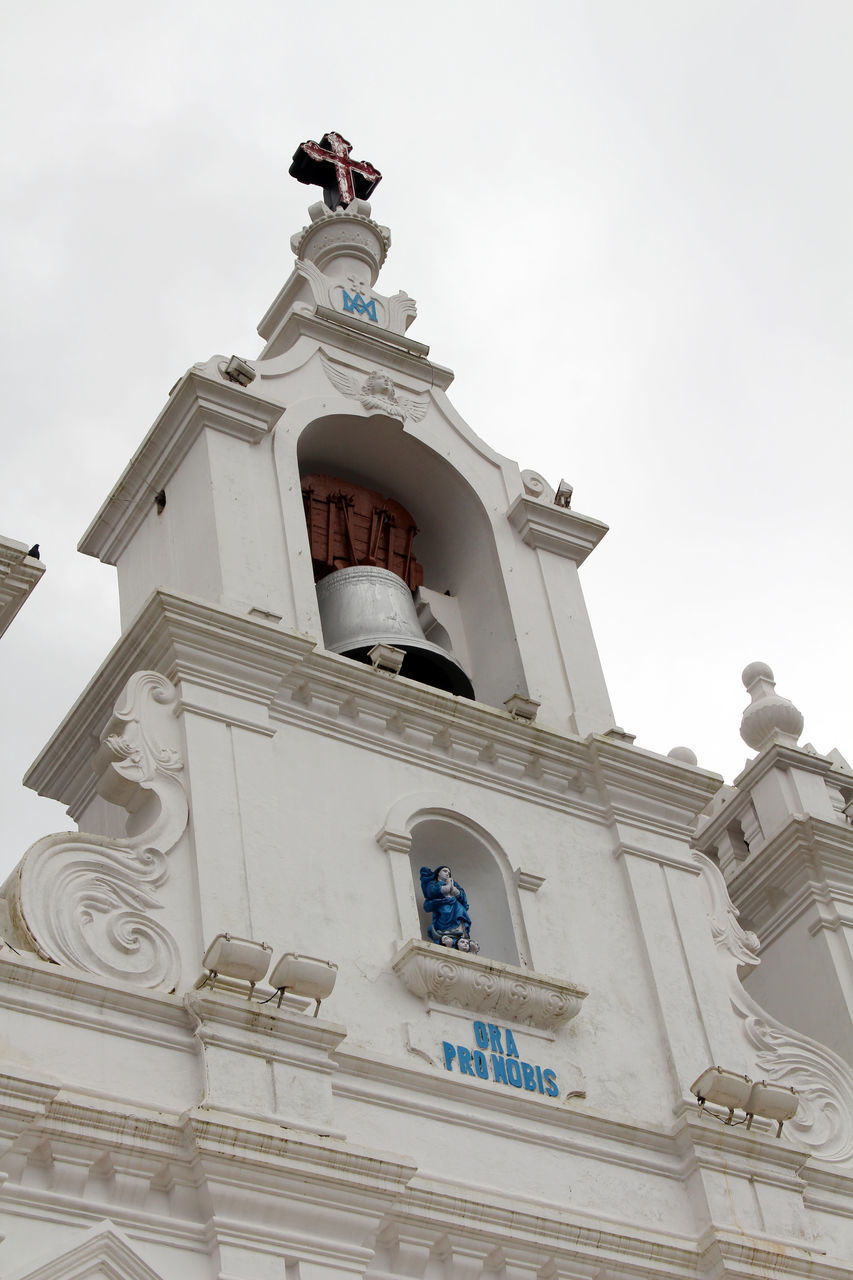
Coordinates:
[327,164]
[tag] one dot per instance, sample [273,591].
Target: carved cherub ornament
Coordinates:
[376,392]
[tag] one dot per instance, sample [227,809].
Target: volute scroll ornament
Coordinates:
[823,1124]
[87,901]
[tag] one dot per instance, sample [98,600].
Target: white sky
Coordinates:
[627,224]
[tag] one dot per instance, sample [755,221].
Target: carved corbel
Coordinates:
[87,901]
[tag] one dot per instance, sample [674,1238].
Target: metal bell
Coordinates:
[363,605]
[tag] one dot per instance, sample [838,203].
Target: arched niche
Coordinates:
[455,541]
[428,833]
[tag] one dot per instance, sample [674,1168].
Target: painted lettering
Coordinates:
[463,1056]
[506,1065]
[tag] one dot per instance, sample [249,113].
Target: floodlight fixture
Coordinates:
[239,958]
[521,707]
[387,657]
[239,371]
[777,1102]
[563,496]
[304,976]
[733,1091]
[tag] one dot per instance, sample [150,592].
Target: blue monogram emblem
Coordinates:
[359,307]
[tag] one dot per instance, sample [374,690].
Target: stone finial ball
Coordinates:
[684,754]
[756,671]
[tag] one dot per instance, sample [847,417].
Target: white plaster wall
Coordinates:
[286,805]
[794,967]
[313,879]
[175,550]
[81,1037]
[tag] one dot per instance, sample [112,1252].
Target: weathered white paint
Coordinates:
[199,1133]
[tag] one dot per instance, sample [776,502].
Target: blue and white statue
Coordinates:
[446,902]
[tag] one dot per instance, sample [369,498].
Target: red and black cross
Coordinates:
[327,164]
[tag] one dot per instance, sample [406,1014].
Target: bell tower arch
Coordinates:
[458,584]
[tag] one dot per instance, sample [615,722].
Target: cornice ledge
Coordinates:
[385,336]
[558,529]
[554,1122]
[396,352]
[700,1144]
[142,1130]
[215,1135]
[756,1254]
[249,1027]
[181,637]
[825,1185]
[624,763]
[60,993]
[485,986]
[19,574]
[663,859]
[667,795]
[196,402]
[349,700]
[801,837]
[570,1233]
[781,756]
[24,1100]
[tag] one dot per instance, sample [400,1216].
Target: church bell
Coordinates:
[363,605]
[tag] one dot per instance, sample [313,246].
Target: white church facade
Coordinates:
[356,675]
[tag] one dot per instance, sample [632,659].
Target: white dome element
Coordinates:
[769,717]
[684,754]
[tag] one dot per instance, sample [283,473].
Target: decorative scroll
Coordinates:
[487,986]
[402,310]
[824,1120]
[321,284]
[87,901]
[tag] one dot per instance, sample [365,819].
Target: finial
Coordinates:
[327,164]
[769,717]
[684,754]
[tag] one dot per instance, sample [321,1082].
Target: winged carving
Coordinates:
[321,285]
[88,901]
[376,393]
[401,311]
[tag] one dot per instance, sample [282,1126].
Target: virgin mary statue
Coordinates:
[446,902]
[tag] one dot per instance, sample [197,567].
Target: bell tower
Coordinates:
[338,450]
[380,950]
[337,590]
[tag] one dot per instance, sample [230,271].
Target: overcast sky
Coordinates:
[627,224]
